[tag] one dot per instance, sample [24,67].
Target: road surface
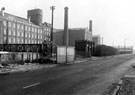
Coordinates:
[92,77]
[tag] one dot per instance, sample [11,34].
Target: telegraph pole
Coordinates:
[52,8]
[125,44]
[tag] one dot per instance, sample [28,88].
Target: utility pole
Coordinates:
[52,8]
[125,44]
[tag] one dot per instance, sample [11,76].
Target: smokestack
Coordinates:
[66,27]
[2,11]
[90,25]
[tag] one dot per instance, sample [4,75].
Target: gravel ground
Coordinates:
[26,67]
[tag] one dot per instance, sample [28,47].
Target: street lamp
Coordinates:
[52,8]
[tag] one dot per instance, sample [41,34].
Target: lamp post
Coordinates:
[52,8]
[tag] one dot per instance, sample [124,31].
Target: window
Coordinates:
[35,29]
[9,40]
[5,32]
[14,32]
[40,36]
[17,40]
[25,41]
[26,28]
[22,34]
[4,23]
[13,25]
[35,36]
[13,40]
[32,35]
[9,32]
[29,41]
[29,28]
[18,33]
[18,26]
[9,24]
[32,41]
[26,35]
[29,35]
[5,39]
[32,29]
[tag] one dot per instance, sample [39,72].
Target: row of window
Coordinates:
[26,28]
[21,41]
[27,34]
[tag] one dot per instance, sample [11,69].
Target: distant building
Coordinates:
[96,40]
[18,30]
[74,34]
[123,50]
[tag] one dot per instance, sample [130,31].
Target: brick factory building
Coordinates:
[18,30]
[74,34]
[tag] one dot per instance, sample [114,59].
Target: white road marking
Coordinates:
[31,85]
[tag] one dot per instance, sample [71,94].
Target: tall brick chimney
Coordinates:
[66,35]
[90,25]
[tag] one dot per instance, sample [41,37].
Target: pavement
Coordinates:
[91,77]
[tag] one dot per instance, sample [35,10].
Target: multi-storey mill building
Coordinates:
[18,30]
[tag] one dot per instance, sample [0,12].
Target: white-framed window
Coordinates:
[29,35]
[29,28]
[18,26]
[9,40]
[35,30]
[29,41]
[14,40]
[25,41]
[22,34]
[14,32]
[26,28]
[13,25]
[25,35]
[32,29]
[5,39]
[41,36]
[18,40]
[9,24]
[18,33]
[9,32]
[34,41]
[5,31]
[22,41]
[32,35]
[4,23]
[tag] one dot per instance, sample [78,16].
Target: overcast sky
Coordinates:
[112,19]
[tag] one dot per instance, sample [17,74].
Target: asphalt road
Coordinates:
[92,77]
